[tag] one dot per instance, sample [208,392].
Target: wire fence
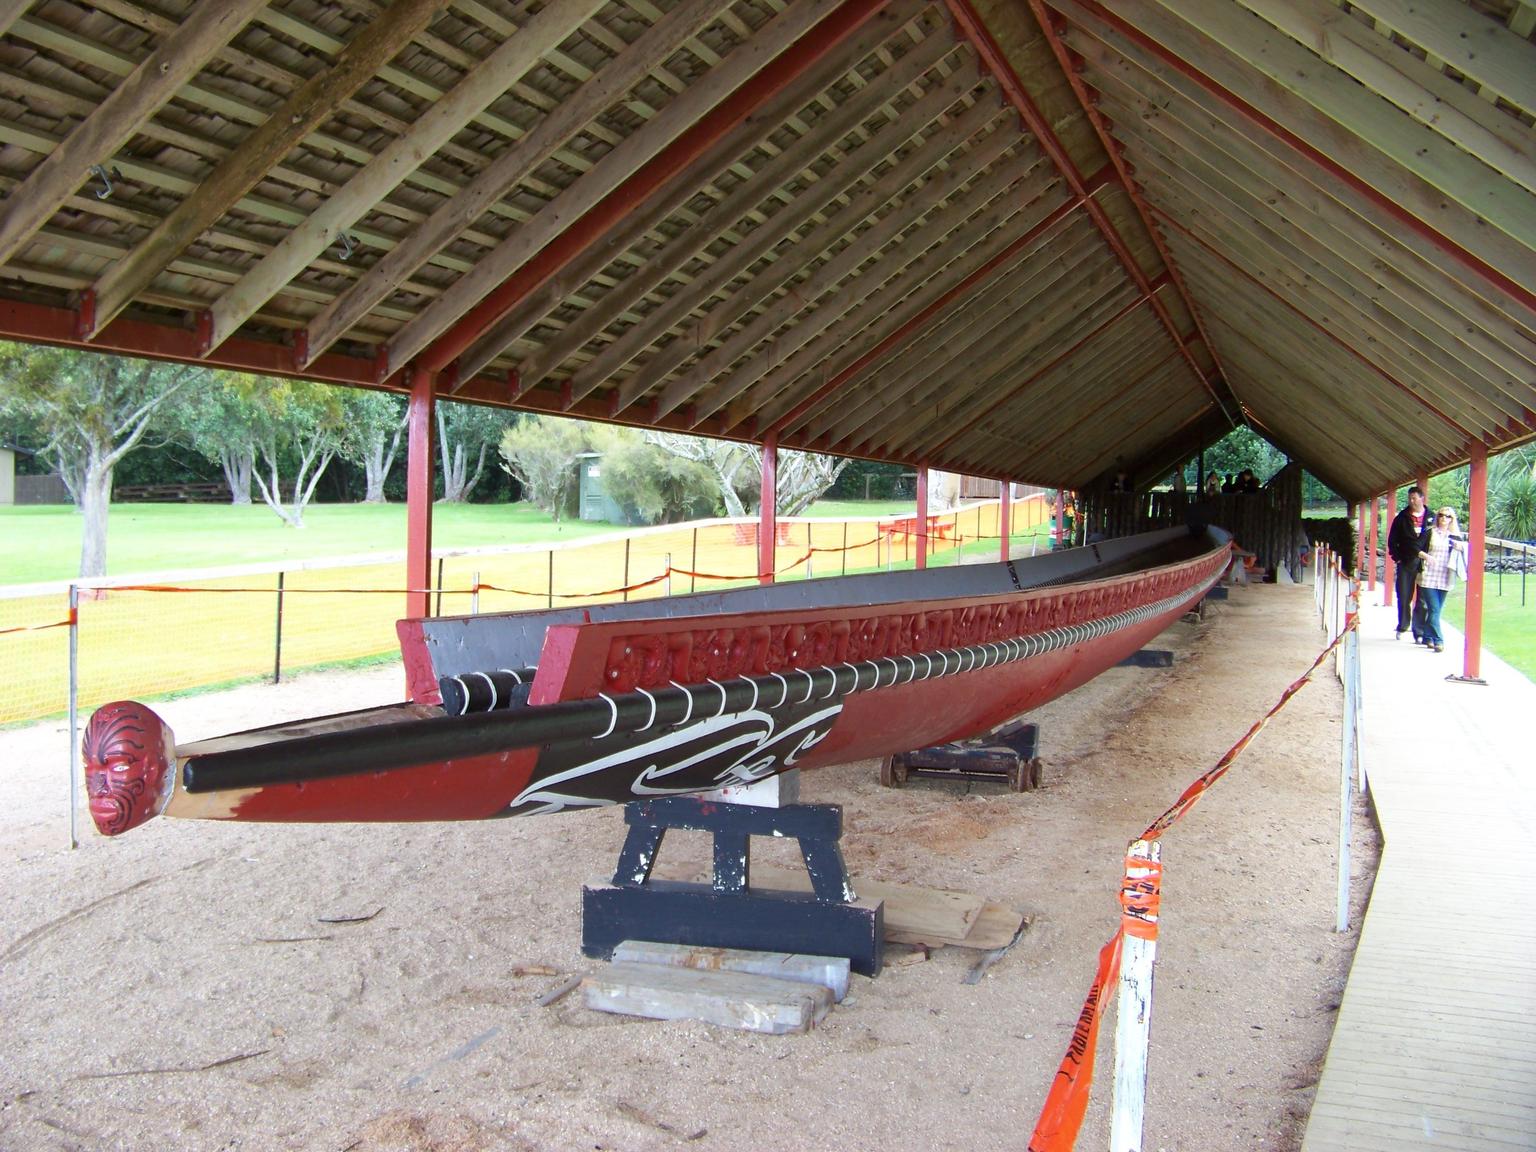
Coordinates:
[147,636]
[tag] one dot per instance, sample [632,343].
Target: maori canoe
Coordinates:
[546,711]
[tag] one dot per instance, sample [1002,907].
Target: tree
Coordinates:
[1512,495]
[541,451]
[738,472]
[375,422]
[653,485]
[465,430]
[221,424]
[93,410]
[299,425]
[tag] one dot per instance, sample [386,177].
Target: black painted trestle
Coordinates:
[727,912]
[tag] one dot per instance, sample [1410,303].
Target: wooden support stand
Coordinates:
[726,913]
[1010,754]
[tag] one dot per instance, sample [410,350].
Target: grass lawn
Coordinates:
[1509,630]
[43,543]
[847,509]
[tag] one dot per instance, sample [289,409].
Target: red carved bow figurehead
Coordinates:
[130,757]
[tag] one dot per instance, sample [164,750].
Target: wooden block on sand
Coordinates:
[731,999]
[827,971]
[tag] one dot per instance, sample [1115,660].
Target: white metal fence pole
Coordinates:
[1347,753]
[74,713]
[1133,1018]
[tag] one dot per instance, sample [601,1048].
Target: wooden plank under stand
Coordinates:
[1010,754]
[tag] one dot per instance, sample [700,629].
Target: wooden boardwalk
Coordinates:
[1435,1045]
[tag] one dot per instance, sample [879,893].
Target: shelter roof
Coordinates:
[1021,239]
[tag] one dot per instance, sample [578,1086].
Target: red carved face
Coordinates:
[129,757]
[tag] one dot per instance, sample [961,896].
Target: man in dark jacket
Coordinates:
[1403,547]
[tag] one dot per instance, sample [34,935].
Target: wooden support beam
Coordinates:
[922,515]
[251,160]
[1390,187]
[976,32]
[153,83]
[823,135]
[554,280]
[502,175]
[718,277]
[913,206]
[434,128]
[630,174]
[969,328]
[1114,150]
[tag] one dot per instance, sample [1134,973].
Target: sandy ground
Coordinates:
[179,987]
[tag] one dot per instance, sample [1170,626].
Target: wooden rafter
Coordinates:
[552,133]
[514,57]
[635,236]
[762,184]
[98,137]
[251,161]
[465,303]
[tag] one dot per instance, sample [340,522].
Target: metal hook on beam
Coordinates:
[100,172]
[348,245]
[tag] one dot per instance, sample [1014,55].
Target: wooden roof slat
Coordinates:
[555,131]
[801,252]
[1311,227]
[945,343]
[1090,331]
[1496,58]
[1024,352]
[746,137]
[243,168]
[941,254]
[386,170]
[1381,129]
[1328,297]
[156,80]
[822,138]
[586,193]
[970,318]
[1376,168]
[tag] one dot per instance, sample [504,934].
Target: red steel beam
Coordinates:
[768,82]
[997,64]
[1056,361]
[31,323]
[418,495]
[1072,68]
[1515,291]
[1373,530]
[922,515]
[920,321]
[768,512]
[1004,509]
[1333,336]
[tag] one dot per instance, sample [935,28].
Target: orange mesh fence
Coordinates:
[197,630]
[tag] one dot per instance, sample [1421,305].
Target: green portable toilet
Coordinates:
[596,504]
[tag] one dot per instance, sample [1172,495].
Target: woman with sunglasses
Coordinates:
[1440,544]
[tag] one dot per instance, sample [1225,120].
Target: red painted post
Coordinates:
[1056,525]
[1423,483]
[1370,578]
[1359,539]
[922,515]
[767,511]
[418,494]
[1389,572]
[1004,510]
[1477,551]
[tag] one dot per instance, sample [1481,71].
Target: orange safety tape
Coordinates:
[575,595]
[1067,1101]
[65,623]
[1192,794]
[1141,898]
[1140,901]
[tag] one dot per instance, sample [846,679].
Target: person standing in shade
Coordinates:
[1439,545]
[1403,546]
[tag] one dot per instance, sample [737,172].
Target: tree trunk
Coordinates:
[95,494]
[375,472]
[237,474]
